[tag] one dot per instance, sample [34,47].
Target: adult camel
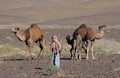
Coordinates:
[88,36]
[30,35]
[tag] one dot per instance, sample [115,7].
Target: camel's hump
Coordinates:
[34,25]
[83,25]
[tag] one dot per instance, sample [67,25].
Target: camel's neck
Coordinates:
[21,37]
[100,34]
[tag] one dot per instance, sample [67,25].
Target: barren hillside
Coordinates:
[60,12]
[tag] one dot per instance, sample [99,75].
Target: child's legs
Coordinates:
[57,60]
[53,57]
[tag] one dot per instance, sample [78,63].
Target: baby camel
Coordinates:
[31,34]
[76,46]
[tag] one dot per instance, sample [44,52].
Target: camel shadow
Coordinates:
[65,58]
[19,59]
[39,68]
[14,59]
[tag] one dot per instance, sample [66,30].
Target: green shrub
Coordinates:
[7,50]
[36,50]
[51,70]
[101,49]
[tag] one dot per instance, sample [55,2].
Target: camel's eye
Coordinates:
[17,28]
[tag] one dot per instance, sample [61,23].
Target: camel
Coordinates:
[88,36]
[91,37]
[75,46]
[30,35]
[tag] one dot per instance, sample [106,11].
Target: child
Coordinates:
[55,47]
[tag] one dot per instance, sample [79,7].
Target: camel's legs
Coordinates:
[79,54]
[79,49]
[71,52]
[79,46]
[41,45]
[88,49]
[41,48]
[74,49]
[29,49]
[92,51]
[84,45]
[75,54]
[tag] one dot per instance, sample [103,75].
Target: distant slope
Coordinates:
[61,12]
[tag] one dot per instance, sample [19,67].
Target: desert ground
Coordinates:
[60,17]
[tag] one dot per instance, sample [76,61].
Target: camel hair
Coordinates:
[30,35]
[88,36]
[75,46]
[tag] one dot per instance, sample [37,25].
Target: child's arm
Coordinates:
[50,48]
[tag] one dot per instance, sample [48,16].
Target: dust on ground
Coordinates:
[106,66]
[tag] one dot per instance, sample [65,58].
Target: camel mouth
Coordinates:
[15,29]
[12,30]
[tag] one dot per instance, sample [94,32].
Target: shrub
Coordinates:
[101,49]
[51,70]
[6,50]
[36,50]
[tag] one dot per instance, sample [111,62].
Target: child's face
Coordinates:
[54,38]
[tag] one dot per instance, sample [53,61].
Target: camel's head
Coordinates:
[69,40]
[102,27]
[68,37]
[15,29]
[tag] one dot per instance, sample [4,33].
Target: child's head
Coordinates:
[54,38]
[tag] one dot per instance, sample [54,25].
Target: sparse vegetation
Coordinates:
[7,50]
[52,70]
[36,50]
[101,49]
[117,47]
